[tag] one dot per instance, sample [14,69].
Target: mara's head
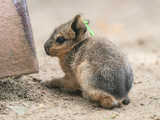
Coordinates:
[65,37]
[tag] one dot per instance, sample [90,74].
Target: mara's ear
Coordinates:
[78,25]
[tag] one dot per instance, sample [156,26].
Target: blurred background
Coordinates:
[134,25]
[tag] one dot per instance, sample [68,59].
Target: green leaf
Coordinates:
[88,28]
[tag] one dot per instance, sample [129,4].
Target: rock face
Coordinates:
[17,52]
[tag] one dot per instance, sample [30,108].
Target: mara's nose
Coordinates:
[46,48]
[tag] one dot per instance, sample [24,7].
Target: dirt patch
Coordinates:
[23,88]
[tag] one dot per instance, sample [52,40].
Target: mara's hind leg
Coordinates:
[84,76]
[104,99]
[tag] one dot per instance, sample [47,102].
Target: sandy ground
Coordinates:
[132,24]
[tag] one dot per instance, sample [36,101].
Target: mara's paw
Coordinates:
[49,84]
[126,101]
[109,102]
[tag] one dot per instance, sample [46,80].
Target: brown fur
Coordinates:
[82,57]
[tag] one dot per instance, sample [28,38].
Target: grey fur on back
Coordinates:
[111,70]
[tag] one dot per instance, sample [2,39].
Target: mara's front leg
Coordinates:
[66,83]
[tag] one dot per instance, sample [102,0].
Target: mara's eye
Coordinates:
[60,40]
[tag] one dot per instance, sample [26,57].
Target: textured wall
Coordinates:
[17,54]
